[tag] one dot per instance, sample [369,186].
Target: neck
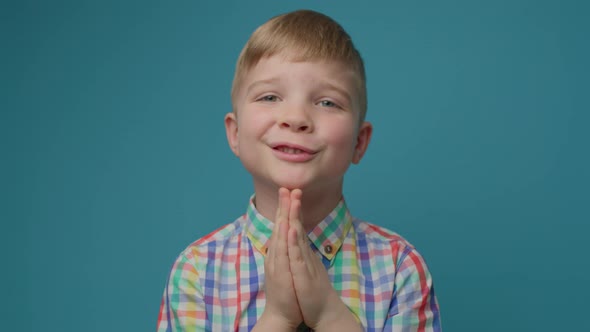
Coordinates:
[315,204]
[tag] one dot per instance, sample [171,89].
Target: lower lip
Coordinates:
[293,157]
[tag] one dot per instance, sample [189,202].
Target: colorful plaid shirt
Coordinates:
[217,283]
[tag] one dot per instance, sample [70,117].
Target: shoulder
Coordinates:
[377,234]
[200,261]
[378,240]
[218,241]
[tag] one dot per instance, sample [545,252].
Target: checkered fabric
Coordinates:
[217,283]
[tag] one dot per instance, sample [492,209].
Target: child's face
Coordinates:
[297,124]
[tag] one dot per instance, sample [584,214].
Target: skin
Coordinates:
[312,105]
[298,287]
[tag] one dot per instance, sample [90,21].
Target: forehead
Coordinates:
[287,69]
[278,65]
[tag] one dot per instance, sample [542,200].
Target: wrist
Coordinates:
[271,322]
[340,320]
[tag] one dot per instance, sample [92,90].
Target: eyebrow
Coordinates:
[338,89]
[261,82]
[323,85]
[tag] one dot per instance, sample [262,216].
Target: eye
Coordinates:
[328,103]
[268,98]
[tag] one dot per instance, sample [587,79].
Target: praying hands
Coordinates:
[298,288]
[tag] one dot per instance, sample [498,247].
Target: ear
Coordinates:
[231,130]
[362,141]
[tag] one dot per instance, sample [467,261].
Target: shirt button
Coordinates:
[328,249]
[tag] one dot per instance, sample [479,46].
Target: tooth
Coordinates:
[289,150]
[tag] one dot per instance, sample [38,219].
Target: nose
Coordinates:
[296,119]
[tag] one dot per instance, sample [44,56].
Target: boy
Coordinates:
[297,260]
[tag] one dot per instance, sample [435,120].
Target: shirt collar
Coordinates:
[327,236]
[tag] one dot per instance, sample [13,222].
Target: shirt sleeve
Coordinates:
[414,306]
[183,307]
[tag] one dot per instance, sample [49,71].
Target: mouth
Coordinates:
[293,153]
[291,149]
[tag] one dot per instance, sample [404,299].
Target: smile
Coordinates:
[286,149]
[292,153]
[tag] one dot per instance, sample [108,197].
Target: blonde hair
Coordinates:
[308,35]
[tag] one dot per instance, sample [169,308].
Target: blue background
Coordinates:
[115,159]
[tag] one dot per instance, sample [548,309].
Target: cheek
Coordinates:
[251,125]
[342,137]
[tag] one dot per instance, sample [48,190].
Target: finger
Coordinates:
[295,218]
[298,244]
[295,215]
[295,208]
[296,259]
[295,221]
[296,195]
[281,258]
[302,242]
[274,236]
[283,204]
[270,251]
[281,214]
[282,224]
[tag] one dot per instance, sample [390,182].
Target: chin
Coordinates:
[292,183]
